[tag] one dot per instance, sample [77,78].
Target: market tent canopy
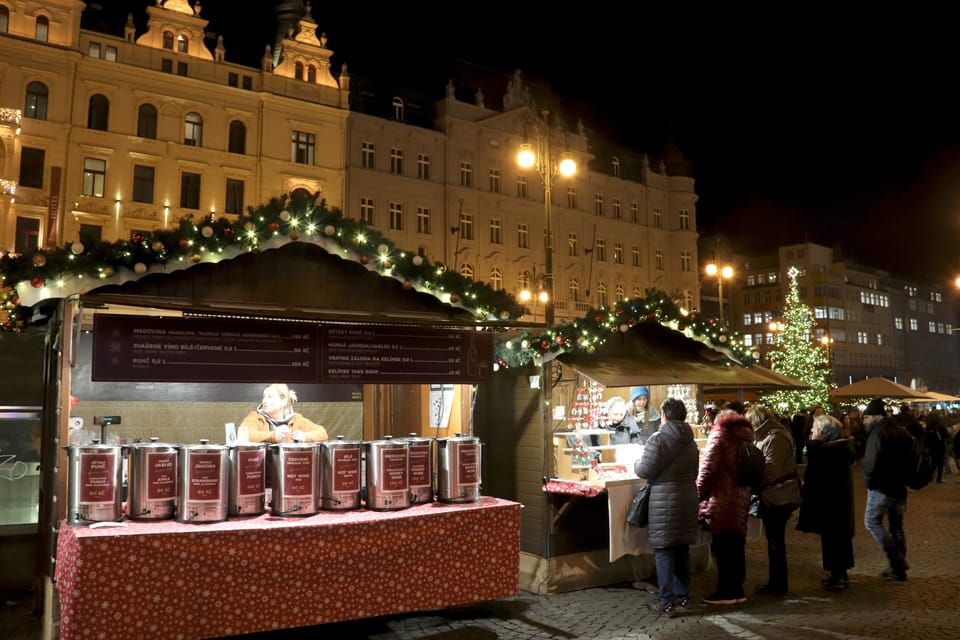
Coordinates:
[933,396]
[878,388]
[650,353]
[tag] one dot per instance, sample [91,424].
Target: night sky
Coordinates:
[800,126]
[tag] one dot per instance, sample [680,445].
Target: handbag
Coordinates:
[638,512]
[785,493]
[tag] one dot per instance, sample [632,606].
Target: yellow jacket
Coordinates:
[260,431]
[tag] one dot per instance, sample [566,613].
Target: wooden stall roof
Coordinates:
[296,280]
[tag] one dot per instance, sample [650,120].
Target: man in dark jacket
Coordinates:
[887,462]
[669,463]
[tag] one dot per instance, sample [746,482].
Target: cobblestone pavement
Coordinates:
[924,607]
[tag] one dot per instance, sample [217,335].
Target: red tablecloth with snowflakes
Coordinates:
[175,581]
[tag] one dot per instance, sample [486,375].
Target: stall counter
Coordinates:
[171,580]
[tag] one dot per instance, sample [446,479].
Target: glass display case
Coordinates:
[19,469]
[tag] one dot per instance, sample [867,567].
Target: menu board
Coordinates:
[134,348]
[139,349]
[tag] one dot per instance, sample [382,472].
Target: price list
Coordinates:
[133,348]
[409,355]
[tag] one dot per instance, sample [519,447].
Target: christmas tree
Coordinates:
[797,355]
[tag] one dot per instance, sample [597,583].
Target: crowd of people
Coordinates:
[688,492]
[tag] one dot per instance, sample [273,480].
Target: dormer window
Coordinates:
[43,28]
[168,40]
[397,108]
[298,71]
[183,44]
[616,167]
[312,74]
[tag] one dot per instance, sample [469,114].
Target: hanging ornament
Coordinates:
[273,226]
[184,243]
[364,259]
[77,248]
[454,297]
[207,232]
[228,232]
[504,315]
[195,258]
[294,235]
[417,261]
[407,284]
[624,328]
[39,260]
[284,215]
[383,249]
[544,344]
[108,272]
[140,268]
[36,283]
[558,340]
[329,230]
[157,246]
[137,238]
[255,248]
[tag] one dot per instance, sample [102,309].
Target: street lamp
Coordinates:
[541,298]
[721,273]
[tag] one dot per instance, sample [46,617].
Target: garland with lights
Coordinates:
[593,329]
[76,268]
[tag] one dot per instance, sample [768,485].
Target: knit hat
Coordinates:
[636,392]
[875,408]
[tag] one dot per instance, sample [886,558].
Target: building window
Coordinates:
[496,278]
[248,82]
[466,174]
[193,130]
[617,209]
[634,213]
[521,186]
[183,44]
[618,252]
[28,234]
[31,167]
[367,155]
[601,294]
[496,231]
[657,217]
[36,104]
[143,183]
[601,248]
[366,211]
[237,137]
[423,166]
[91,234]
[574,289]
[168,40]
[685,261]
[898,324]
[94,177]
[616,167]
[4,19]
[398,108]
[571,198]
[166,65]
[98,112]
[466,226]
[311,74]
[190,190]
[43,28]
[302,146]
[620,293]
[233,79]
[466,270]
[523,236]
[659,259]
[494,180]
[523,281]
[298,70]
[423,220]
[572,249]
[110,54]
[396,161]
[684,219]
[635,255]
[396,216]
[233,202]
[147,121]
[597,204]
[931,327]
[182,69]
[94,50]
[913,325]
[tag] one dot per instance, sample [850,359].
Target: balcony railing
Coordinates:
[10,117]
[8,187]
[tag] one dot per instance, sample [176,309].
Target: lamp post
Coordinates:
[721,273]
[541,159]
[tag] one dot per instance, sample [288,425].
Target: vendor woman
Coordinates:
[276,421]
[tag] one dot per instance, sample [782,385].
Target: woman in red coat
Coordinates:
[724,506]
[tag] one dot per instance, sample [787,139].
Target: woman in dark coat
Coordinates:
[827,507]
[669,464]
[724,506]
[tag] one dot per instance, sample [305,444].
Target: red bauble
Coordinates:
[619,312]
[184,243]
[227,231]
[36,283]
[597,318]
[137,238]
[364,259]
[454,297]
[7,326]
[544,344]
[558,339]
[273,226]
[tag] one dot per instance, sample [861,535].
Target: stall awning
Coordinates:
[650,353]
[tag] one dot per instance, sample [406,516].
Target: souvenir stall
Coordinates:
[164,360]
[573,530]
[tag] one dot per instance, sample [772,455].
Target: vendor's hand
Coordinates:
[299,436]
[282,433]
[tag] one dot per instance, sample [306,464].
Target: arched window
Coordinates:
[398,108]
[4,19]
[237,142]
[43,28]
[621,294]
[602,295]
[496,278]
[298,70]
[574,290]
[168,40]
[523,281]
[466,270]
[193,130]
[98,112]
[147,121]
[616,166]
[312,74]
[301,194]
[183,43]
[36,105]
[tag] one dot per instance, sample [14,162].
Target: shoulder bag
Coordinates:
[638,512]
[785,493]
